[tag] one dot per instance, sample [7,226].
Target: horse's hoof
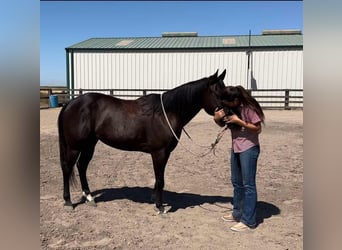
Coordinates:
[91,203]
[68,208]
[166,208]
[162,209]
[159,210]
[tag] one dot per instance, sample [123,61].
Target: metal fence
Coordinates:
[268,98]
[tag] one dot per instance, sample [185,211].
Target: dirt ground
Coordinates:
[198,189]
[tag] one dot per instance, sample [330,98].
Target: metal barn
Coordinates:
[137,65]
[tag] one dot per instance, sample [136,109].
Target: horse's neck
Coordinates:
[184,109]
[186,117]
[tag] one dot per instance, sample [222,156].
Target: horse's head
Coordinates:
[212,97]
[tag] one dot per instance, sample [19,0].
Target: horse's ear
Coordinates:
[213,77]
[223,74]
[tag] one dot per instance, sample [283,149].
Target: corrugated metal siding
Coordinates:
[158,70]
[271,69]
[281,69]
[278,69]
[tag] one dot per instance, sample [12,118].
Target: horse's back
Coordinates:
[89,99]
[80,107]
[117,122]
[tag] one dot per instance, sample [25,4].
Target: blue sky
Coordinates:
[64,23]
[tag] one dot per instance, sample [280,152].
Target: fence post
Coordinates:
[111,92]
[80,92]
[287,99]
[144,91]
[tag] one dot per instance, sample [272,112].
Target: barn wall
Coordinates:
[154,70]
[276,69]
[282,69]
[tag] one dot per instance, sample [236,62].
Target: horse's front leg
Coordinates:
[159,159]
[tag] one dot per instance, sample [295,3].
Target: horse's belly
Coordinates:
[127,144]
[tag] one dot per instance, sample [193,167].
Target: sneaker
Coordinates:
[228,217]
[240,227]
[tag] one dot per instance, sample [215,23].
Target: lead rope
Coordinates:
[218,138]
[199,145]
[213,145]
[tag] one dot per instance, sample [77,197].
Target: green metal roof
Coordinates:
[190,42]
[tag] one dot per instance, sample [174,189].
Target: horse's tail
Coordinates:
[63,147]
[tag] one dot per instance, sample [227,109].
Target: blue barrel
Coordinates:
[53,99]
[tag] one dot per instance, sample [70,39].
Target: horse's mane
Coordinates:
[177,98]
[185,94]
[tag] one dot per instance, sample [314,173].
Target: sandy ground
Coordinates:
[197,188]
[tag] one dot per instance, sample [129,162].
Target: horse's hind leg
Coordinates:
[82,165]
[68,175]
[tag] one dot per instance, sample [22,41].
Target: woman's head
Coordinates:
[234,96]
[231,97]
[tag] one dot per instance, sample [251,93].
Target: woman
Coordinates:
[244,154]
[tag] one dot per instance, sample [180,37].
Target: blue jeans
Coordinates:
[243,173]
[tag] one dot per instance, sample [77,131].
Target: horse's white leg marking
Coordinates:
[88,197]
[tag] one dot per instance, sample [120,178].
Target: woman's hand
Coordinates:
[218,115]
[234,119]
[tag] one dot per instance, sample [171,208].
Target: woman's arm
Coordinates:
[251,126]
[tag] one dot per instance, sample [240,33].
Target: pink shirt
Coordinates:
[242,138]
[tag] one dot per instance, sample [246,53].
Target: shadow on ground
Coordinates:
[177,200]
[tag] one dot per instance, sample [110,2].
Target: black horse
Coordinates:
[133,125]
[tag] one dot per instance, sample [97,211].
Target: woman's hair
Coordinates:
[239,92]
